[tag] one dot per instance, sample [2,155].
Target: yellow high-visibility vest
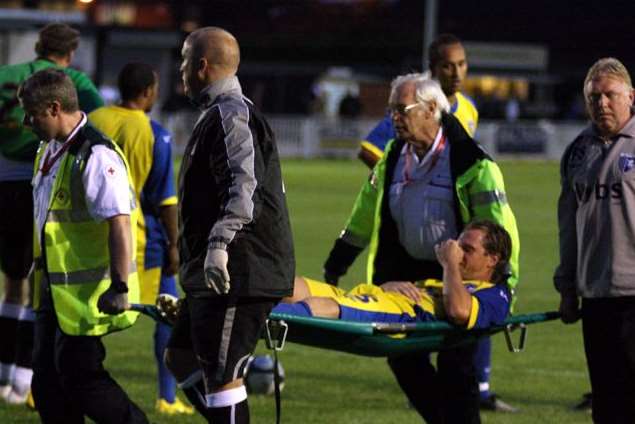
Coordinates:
[75,254]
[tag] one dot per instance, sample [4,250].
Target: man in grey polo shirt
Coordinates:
[597,230]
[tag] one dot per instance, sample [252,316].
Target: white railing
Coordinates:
[313,137]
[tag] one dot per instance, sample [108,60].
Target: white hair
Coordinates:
[427,90]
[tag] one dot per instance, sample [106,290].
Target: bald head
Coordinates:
[218,46]
[209,54]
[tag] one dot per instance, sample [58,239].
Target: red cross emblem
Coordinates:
[111,171]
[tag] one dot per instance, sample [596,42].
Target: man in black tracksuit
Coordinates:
[235,241]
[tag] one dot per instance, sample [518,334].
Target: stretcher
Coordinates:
[390,339]
[380,339]
[373,339]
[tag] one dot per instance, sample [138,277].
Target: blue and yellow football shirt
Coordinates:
[147,147]
[157,192]
[370,303]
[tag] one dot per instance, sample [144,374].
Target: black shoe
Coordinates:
[585,404]
[492,403]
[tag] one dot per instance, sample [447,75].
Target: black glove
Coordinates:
[332,279]
[114,300]
[340,258]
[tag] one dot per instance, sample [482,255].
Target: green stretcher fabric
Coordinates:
[380,339]
[383,339]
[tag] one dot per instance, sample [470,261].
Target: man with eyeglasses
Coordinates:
[432,181]
[448,65]
[596,223]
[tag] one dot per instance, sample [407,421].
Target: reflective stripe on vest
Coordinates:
[354,239]
[66,215]
[86,276]
[486,197]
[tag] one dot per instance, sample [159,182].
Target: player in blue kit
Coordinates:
[473,293]
[147,147]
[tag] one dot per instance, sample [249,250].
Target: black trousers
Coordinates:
[446,395]
[608,327]
[69,379]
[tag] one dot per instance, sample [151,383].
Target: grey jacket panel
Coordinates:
[596,216]
[239,157]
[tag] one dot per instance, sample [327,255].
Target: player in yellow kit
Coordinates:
[473,294]
[147,147]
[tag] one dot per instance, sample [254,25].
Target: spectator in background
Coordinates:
[350,106]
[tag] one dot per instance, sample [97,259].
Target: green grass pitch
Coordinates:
[328,387]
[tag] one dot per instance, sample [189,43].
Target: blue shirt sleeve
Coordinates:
[383,132]
[493,306]
[159,186]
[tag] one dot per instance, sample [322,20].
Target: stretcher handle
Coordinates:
[276,334]
[522,338]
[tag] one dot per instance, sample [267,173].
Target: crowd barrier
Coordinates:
[318,137]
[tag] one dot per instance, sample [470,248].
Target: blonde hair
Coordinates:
[607,66]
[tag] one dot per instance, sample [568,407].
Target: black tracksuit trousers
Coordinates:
[69,379]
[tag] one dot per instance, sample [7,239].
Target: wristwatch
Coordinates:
[119,286]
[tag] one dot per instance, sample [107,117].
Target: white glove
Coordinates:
[216,274]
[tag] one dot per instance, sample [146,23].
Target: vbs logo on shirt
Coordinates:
[626,162]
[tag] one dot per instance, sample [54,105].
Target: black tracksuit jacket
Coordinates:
[231,195]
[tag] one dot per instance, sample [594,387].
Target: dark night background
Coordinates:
[385,38]
[288,44]
[387,33]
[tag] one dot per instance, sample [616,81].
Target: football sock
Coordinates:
[167,383]
[9,315]
[234,414]
[299,309]
[24,352]
[482,364]
[228,406]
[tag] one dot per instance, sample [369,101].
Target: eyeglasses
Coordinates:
[401,109]
[594,98]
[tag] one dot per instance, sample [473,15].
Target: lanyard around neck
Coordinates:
[51,159]
[434,158]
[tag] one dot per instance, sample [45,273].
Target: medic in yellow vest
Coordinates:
[84,212]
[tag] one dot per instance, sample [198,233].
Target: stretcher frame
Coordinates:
[379,339]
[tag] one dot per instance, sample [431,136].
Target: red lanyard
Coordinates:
[50,160]
[433,160]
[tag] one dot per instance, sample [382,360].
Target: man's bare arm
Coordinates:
[457,301]
[120,246]
[115,299]
[368,157]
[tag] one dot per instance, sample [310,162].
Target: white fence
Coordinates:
[312,137]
